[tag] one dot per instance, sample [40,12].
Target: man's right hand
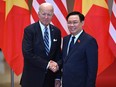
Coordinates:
[53,66]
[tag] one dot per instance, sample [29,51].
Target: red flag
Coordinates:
[60,12]
[97,24]
[112,29]
[2,19]
[16,19]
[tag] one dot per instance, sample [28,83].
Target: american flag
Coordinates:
[112,29]
[60,13]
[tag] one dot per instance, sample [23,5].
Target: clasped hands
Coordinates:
[53,66]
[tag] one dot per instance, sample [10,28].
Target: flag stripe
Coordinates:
[34,15]
[112,29]
[113,20]
[58,24]
[61,7]
[112,32]
[40,1]
[59,16]
[36,5]
[114,8]
[60,12]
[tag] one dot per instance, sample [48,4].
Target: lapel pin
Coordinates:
[78,41]
[52,29]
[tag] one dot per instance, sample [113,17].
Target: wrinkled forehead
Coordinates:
[46,7]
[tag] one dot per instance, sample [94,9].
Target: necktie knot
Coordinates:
[46,31]
[73,38]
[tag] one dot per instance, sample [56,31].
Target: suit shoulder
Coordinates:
[31,27]
[65,38]
[89,36]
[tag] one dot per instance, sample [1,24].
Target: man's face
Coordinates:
[74,24]
[45,15]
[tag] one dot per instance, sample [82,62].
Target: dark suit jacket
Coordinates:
[80,65]
[35,59]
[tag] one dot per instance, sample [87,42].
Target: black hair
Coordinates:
[81,16]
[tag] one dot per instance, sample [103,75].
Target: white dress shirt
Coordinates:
[76,37]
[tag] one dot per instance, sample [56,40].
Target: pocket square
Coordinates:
[54,40]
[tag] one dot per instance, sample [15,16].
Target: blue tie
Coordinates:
[46,40]
[71,44]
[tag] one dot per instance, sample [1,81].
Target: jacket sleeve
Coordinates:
[28,53]
[92,62]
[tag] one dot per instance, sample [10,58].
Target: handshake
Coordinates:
[53,66]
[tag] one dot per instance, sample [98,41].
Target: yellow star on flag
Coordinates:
[11,3]
[87,4]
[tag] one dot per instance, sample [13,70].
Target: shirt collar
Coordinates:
[77,36]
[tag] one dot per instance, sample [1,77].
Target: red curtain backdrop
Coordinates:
[97,24]
[16,19]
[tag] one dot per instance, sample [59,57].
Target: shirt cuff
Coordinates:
[48,65]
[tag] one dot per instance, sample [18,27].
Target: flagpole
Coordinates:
[12,78]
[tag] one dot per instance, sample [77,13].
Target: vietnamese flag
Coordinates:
[2,19]
[17,17]
[97,20]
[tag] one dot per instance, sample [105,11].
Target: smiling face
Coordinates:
[45,13]
[74,24]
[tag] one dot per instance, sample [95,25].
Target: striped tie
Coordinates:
[46,40]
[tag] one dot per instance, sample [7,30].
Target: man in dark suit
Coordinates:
[41,51]
[80,54]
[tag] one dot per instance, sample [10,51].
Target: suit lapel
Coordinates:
[51,34]
[40,37]
[65,47]
[42,40]
[78,42]
[76,45]
[52,39]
